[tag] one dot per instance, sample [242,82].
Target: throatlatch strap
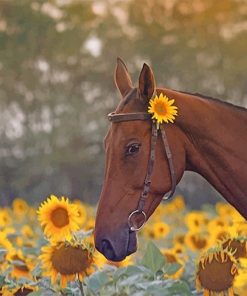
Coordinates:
[147,181]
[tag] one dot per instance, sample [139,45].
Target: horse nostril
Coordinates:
[107,249]
[106,245]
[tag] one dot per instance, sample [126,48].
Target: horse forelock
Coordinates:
[131,103]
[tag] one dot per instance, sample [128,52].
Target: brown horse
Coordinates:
[208,137]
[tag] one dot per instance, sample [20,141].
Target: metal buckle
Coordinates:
[137,212]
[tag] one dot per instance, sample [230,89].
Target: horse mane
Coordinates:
[240,108]
[128,98]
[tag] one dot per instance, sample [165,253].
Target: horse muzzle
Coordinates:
[116,246]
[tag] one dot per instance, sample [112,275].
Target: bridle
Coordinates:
[121,117]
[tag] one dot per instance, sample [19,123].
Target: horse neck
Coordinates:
[216,136]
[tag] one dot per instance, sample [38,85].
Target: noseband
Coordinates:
[147,182]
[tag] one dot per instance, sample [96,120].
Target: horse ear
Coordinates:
[146,82]
[122,78]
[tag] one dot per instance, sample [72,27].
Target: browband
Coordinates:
[128,116]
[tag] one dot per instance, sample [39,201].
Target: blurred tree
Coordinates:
[57,60]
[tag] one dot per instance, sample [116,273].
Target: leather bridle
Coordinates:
[113,117]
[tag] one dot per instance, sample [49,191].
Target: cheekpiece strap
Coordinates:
[151,160]
[170,163]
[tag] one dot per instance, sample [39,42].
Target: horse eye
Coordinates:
[132,149]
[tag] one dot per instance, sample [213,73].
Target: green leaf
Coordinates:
[97,280]
[178,288]
[130,280]
[153,258]
[36,293]
[36,272]
[2,280]
[131,270]
[171,268]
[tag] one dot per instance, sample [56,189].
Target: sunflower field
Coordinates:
[49,250]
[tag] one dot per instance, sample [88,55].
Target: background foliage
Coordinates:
[57,59]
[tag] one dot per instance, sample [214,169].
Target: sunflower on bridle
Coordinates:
[162,109]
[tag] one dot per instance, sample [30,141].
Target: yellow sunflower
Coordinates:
[82,211]
[27,231]
[225,210]
[197,241]
[240,282]
[20,290]
[58,218]
[241,228]
[21,265]
[178,202]
[216,271]
[100,261]
[196,220]
[162,109]
[148,231]
[4,241]
[69,260]
[161,230]
[20,207]
[236,244]
[172,257]
[5,218]
[90,224]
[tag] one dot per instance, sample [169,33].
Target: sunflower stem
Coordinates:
[81,287]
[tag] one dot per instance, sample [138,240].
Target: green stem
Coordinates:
[81,287]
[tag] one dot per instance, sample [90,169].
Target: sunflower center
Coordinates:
[60,217]
[238,246]
[199,242]
[69,260]
[23,267]
[160,109]
[23,291]
[216,276]
[170,258]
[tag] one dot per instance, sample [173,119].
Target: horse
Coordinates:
[208,137]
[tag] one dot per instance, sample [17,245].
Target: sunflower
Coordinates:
[149,232]
[219,234]
[4,241]
[216,271]
[240,282]
[21,266]
[20,207]
[161,229]
[82,211]
[27,231]
[178,202]
[69,260]
[179,238]
[226,210]
[90,224]
[162,109]
[5,218]
[172,257]
[6,247]
[58,218]
[18,290]
[197,241]
[236,244]
[241,228]
[100,261]
[196,220]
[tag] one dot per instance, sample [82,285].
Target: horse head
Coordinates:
[127,147]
